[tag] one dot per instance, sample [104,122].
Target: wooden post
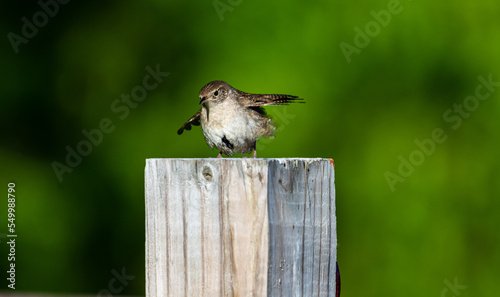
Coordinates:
[240,227]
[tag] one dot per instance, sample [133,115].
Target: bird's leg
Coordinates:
[254,150]
[219,155]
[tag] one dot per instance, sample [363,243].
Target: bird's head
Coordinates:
[215,91]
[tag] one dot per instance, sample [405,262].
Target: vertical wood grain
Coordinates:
[240,227]
[302,228]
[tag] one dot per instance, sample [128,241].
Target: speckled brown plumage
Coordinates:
[233,120]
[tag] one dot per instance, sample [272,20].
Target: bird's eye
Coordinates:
[216,93]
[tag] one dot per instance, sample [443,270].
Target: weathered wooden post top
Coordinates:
[240,227]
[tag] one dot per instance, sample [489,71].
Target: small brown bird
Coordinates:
[233,120]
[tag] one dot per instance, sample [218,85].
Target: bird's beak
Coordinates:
[203,100]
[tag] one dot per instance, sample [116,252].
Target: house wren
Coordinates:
[233,120]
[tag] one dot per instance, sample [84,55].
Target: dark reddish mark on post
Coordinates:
[337,281]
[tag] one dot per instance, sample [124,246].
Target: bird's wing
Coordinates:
[194,120]
[254,100]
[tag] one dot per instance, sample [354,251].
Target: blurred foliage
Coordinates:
[439,224]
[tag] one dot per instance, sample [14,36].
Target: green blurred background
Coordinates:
[406,239]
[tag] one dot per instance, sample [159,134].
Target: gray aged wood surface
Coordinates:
[240,227]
